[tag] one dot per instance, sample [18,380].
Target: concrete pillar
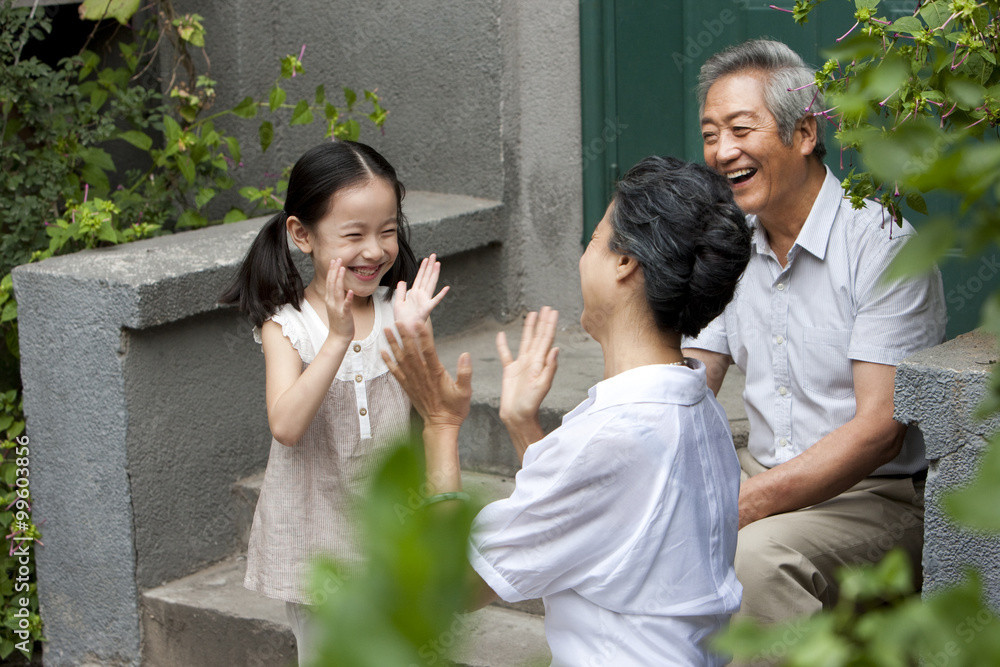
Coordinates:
[144,403]
[938,390]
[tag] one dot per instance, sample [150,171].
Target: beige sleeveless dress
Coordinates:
[305,504]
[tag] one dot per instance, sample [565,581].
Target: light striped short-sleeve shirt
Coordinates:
[794,330]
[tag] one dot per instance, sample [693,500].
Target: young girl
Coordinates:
[332,407]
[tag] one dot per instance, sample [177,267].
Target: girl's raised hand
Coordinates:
[339,302]
[527,379]
[412,307]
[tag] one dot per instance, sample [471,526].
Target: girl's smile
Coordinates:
[359,228]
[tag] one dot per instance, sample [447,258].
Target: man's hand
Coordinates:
[837,462]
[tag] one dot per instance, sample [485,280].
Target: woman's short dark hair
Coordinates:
[268,279]
[679,221]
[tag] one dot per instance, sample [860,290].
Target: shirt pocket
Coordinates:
[827,369]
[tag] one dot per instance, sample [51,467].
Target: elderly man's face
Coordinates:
[741,142]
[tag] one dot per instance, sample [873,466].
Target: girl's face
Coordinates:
[359,228]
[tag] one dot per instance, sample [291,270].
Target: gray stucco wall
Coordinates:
[144,403]
[938,390]
[484,100]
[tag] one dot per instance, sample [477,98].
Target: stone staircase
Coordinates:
[208,619]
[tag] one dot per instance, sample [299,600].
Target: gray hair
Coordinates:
[678,220]
[784,70]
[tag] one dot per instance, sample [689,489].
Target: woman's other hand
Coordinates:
[527,379]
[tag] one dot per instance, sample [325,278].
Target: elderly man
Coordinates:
[830,479]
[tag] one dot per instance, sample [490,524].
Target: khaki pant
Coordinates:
[787,562]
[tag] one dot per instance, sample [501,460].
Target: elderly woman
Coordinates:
[624,519]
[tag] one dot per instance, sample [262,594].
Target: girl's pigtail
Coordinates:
[267,279]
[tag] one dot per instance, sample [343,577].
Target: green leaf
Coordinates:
[172,130]
[276,98]
[866,4]
[968,94]
[186,166]
[908,25]
[320,95]
[331,112]
[234,215]
[95,177]
[107,232]
[976,505]
[246,109]
[916,202]
[234,148]
[137,139]
[96,10]
[204,196]
[9,312]
[302,115]
[934,14]
[266,133]
[351,97]
[191,218]
[922,251]
[97,157]
[98,97]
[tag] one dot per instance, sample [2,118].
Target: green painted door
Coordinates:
[639,70]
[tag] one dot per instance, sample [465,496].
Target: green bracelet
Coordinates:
[450,495]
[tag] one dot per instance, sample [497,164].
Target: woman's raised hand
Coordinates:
[527,379]
[412,307]
[440,400]
[339,302]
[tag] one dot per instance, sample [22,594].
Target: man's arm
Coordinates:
[716,365]
[838,461]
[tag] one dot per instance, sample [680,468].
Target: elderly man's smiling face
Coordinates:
[742,143]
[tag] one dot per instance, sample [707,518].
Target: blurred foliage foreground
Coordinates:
[406,608]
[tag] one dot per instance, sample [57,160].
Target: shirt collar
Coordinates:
[815,233]
[659,383]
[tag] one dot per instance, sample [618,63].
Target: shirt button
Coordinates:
[782,391]
[363,412]
[783,442]
[779,340]
[357,348]
[780,286]
[357,378]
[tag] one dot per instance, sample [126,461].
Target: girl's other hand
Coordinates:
[339,302]
[440,400]
[527,379]
[412,307]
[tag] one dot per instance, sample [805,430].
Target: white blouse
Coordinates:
[624,521]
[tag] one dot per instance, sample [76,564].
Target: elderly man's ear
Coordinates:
[805,133]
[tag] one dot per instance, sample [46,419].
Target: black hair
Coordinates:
[678,220]
[268,279]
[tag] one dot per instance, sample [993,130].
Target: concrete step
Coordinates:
[483,442]
[209,620]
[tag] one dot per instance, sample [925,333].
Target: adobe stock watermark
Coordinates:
[696,45]
[963,293]
[613,128]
